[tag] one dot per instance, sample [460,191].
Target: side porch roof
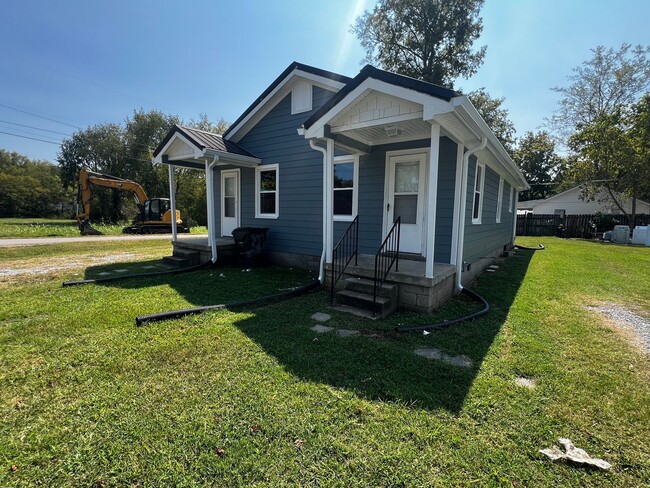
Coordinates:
[191,148]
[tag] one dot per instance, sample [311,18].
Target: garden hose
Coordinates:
[141,275]
[175,314]
[446,323]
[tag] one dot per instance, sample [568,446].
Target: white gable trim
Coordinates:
[277,94]
[178,136]
[431,106]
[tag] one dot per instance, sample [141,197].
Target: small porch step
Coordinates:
[191,255]
[357,298]
[176,262]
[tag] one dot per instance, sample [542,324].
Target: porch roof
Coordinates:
[191,148]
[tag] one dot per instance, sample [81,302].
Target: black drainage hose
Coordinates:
[447,323]
[141,275]
[541,247]
[175,314]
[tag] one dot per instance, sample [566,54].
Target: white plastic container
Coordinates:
[621,234]
[640,235]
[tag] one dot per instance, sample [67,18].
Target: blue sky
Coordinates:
[82,63]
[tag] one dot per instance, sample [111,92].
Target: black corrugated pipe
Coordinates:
[141,275]
[175,314]
[541,246]
[446,323]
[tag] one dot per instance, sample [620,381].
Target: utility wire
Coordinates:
[37,128]
[39,116]
[32,138]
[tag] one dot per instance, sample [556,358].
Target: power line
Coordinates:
[39,116]
[37,128]
[32,138]
[29,132]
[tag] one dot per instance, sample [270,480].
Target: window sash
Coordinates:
[344,208]
[266,189]
[477,204]
[499,200]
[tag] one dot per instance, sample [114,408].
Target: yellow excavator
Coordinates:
[155,215]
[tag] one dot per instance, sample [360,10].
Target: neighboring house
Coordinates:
[569,202]
[316,149]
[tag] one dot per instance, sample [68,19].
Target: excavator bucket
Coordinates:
[87,230]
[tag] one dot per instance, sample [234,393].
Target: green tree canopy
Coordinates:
[495,115]
[536,158]
[429,40]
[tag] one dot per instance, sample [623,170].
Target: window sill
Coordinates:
[343,218]
[266,216]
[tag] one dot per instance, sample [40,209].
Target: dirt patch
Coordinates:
[51,265]
[635,327]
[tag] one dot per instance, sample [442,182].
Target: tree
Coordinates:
[639,133]
[430,40]
[610,80]
[536,158]
[203,123]
[495,116]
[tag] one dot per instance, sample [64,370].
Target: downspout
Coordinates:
[212,231]
[463,209]
[321,268]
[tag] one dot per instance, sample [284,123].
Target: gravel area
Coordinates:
[628,320]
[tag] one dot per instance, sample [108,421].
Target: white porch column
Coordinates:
[212,224]
[329,197]
[172,201]
[432,198]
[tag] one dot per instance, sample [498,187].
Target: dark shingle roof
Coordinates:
[379,74]
[204,140]
[295,65]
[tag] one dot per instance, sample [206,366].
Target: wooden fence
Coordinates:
[584,226]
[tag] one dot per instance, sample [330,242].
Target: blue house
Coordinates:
[381,164]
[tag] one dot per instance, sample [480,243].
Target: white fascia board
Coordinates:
[431,106]
[262,108]
[197,151]
[466,110]
[235,159]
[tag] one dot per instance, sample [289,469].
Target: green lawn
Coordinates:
[35,227]
[254,397]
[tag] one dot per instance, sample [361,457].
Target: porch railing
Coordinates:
[346,249]
[387,255]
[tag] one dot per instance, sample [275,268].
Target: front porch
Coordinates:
[414,290]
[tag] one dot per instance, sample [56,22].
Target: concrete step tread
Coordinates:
[359,312]
[176,261]
[365,297]
[370,283]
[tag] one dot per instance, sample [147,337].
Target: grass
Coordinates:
[35,227]
[254,397]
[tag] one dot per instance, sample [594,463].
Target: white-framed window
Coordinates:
[477,204]
[345,187]
[500,200]
[512,199]
[267,204]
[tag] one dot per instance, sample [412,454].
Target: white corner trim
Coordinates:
[258,170]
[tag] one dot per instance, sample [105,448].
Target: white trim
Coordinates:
[212,224]
[258,170]
[479,188]
[329,197]
[355,189]
[514,220]
[432,200]
[198,153]
[224,174]
[172,201]
[512,193]
[261,108]
[499,200]
[458,194]
[375,122]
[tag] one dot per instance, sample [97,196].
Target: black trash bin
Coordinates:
[250,245]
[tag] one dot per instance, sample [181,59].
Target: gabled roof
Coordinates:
[393,78]
[259,101]
[573,188]
[203,140]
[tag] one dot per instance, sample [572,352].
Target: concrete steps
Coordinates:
[357,295]
[182,258]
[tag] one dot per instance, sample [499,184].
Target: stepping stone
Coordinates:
[121,270]
[322,329]
[525,382]
[321,317]
[104,273]
[150,267]
[437,354]
[346,332]
[493,266]
[489,270]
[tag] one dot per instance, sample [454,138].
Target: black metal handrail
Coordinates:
[387,254]
[346,249]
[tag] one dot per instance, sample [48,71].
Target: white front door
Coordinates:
[405,199]
[229,201]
